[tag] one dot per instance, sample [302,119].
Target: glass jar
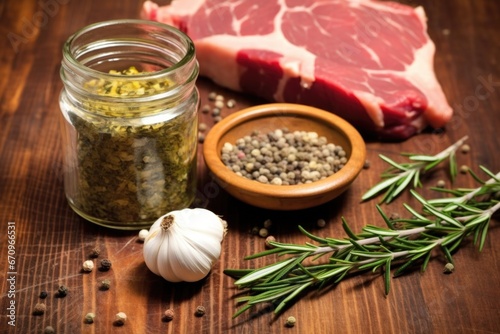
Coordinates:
[130,122]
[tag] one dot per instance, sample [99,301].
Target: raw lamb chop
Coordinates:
[367,61]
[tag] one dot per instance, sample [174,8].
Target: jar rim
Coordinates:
[186,58]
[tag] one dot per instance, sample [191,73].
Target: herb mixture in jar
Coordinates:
[130,122]
[132,171]
[282,157]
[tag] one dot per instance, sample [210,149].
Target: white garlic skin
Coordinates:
[187,250]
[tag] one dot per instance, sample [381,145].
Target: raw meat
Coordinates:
[367,61]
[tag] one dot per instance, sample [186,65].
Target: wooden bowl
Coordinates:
[270,117]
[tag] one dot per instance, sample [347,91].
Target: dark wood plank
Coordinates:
[52,242]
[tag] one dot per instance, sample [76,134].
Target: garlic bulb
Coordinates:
[183,245]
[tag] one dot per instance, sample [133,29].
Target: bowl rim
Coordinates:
[340,179]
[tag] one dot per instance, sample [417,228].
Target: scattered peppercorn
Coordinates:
[62,291]
[205,109]
[120,319]
[367,164]
[200,311]
[270,239]
[219,104]
[441,184]
[49,330]
[39,309]
[394,216]
[464,169]
[105,284]
[43,294]
[89,318]
[216,111]
[202,127]
[321,222]
[449,268]
[465,148]
[168,315]
[201,138]
[290,322]
[268,223]
[217,119]
[255,230]
[105,265]
[219,98]
[88,266]
[263,232]
[95,252]
[212,96]
[231,103]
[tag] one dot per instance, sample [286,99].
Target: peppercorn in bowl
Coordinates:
[284,156]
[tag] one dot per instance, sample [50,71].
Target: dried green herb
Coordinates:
[131,167]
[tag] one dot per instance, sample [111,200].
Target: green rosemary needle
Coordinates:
[401,175]
[403,242]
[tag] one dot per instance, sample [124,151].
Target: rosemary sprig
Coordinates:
[404,243]
[401,175]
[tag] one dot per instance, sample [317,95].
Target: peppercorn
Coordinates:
[268,223]
[465,148]
[449,268]
[168,315]
[200,311]
[212,96]
[321,222]
[105,265]
[201,138]
[39,309]
[219,104]
[43,294]
[89,318]
[205,109]
[367,164]
[290,322]
[464,169]
[49,330]
[62,291]
[441,184]
[95,252]
[231,103]
[105,284]
[202,127]
[263,232]
[270,239]
[88,266]
[394,216]
[120,319]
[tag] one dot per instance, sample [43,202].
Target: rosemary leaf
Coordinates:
[259,273]
[400,175]
[387,274]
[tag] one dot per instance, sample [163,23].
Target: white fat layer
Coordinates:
[182,7]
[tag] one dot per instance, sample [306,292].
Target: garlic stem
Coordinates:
[167,222]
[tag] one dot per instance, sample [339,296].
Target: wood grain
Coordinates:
[52,241]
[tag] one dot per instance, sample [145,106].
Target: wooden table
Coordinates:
[51,241]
